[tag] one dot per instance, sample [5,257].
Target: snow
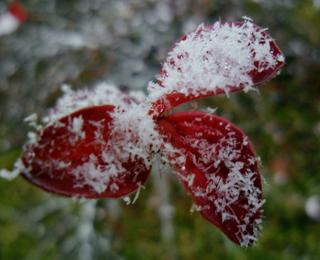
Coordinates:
[133,130]
[102,94]
[17,169]
[8,23]
[133,137]
[94,175]
[215,58]
[76,127]
[222,192]
[139,136]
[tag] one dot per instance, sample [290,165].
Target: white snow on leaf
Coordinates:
[94,175]
[76,127]
[212,58]
[223,192]
[102,94]
[134,133]
[133,138]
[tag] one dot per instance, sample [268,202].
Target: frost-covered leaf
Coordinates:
[215,59]
[76,156]
[219,169]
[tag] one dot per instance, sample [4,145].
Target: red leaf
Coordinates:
[18,11]
[76,157]
[220,171]
[190,74]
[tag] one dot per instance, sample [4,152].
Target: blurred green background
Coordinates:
[88,41]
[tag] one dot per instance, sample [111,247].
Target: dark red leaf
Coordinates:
[220,171]
[75,157]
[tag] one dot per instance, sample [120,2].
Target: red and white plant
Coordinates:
[101,143]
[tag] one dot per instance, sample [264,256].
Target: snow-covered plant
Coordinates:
[101,143]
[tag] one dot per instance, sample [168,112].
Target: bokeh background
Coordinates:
[84,42]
